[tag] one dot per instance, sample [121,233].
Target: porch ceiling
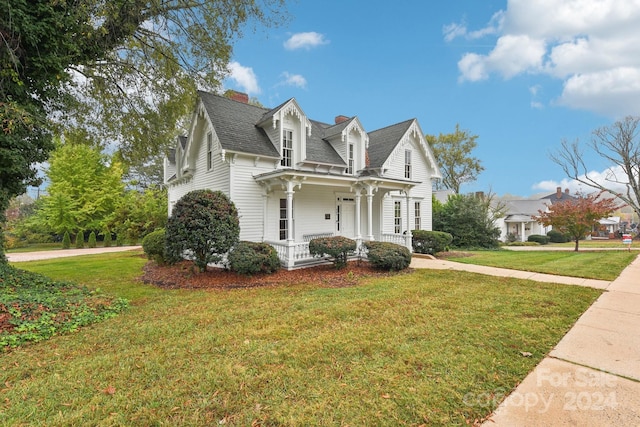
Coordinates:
[519,218]
[334,180]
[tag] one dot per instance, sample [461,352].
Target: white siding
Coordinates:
[247,195]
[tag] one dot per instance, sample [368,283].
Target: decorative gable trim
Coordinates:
[356,126]
[294,109]
[414,132]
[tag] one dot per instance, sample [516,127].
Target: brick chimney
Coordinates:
[566,191]
[340,119]
[240,97]
[558,192]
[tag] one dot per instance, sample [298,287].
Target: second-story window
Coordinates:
[350,159]
[209,151]
[287,149]
[407,164]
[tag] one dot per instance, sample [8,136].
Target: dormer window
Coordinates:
[350,159]
[287,148]
[407,164]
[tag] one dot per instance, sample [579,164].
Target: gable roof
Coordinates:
[234,123]
[559,196]
[318,149]
[383,141]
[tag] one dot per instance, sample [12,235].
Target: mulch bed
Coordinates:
[185,276]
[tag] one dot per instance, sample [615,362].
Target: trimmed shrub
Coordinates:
[66,240]
[249,258]
[388,256]
[107,239]
[154,245]
[92,240]
[80,240]
[119,240]
[538,238]
[557,237]
[430,242]
[204,225]
[337,247]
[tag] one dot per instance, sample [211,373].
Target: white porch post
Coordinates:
[290,237]
[369,212]
[407,237]
[358,233]
[522,231]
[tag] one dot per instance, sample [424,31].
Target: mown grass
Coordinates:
[429,347]
[602,265]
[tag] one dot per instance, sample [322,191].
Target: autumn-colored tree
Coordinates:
[577,217]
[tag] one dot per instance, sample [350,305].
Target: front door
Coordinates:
[346,218]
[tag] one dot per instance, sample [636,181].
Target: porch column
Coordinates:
[290,237]
[522,231]
[407,237]
[358,233]
[369,212]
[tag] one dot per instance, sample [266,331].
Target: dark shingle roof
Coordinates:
[234,123]
[318,149]
[383,141]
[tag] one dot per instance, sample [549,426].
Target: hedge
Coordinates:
[430,242]
[249,258]
[388,256]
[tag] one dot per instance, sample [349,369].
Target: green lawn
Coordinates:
[429,347]
[603,265]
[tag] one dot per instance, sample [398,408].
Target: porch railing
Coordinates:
[289,255]
[398,239]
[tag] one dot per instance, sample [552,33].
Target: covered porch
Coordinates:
[299,206]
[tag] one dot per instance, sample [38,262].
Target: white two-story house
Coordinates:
[293,178]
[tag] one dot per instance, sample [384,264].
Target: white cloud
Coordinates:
[593,46]
[606,178]
[244,77]
[306,40]
[296,80]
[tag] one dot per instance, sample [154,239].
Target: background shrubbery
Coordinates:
[154,245]
[538,238]
[557,237]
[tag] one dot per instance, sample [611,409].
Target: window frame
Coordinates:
[209,151]
[283,221]
[407,164]
[287,149]
[417,216]
[397,217]
[350,158]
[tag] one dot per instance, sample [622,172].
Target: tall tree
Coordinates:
[619,145]
[84,189]
[124,69]
[577,217]
[453,153]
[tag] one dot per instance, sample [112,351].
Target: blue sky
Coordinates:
[520,74]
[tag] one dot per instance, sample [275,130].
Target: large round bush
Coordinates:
[203,226]
[253,257]
[388,256]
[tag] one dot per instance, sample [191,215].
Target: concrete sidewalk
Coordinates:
[62,253]
[592,377]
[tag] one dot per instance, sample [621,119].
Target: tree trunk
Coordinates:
[576,248]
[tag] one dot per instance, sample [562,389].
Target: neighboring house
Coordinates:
[608,227]
[518,222]
[293,178]
[559,196]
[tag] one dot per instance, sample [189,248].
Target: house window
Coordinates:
[397,217]
[350,160]
[209,151]
[417,222]
[407,164]
[284,221]
[287,148]
[338,217]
